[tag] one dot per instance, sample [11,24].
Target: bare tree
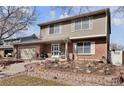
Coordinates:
[121,47]
[115,46]
[14,19]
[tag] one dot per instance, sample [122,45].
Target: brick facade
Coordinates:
[101,48]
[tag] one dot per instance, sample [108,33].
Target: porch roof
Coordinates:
[6,47]
[40,41]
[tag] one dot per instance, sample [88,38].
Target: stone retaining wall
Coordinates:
[76,78]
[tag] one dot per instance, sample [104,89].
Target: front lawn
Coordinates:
[28,81]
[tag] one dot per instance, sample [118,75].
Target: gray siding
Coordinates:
[99,27]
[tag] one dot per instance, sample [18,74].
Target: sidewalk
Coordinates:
[15,68]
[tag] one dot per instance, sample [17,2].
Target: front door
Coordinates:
[55,50]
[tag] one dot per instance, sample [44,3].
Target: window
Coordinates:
[87,47]
[82,24]
[85,23]
[51,31]
[78,25]
[54,29]
[79,47]
[84,48]
[55,49]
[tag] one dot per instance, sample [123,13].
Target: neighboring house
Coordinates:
[84,36]
[117,57]
[6,49]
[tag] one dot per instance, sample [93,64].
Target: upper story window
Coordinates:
[54,29]
[83,24]
[78,25]
[51,29]
[86,23]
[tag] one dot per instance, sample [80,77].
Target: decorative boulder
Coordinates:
[88,71]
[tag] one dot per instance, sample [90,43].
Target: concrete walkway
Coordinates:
[15,68]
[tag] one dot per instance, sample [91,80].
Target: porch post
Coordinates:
[66,50]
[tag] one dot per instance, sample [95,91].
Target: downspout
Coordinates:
[108,32]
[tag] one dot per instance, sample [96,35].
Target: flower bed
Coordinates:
[70,76]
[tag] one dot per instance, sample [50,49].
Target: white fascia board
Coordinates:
[89,36]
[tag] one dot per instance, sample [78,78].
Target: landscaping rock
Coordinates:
[83,73]
[107,70]
[89,64]
[88,71]
[101,71]
[55,65]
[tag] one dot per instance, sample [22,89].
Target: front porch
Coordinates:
[59,49]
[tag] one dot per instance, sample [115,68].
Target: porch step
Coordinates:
[53,59]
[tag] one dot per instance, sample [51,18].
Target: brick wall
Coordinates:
[100,49]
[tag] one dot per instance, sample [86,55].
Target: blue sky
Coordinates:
[46,14]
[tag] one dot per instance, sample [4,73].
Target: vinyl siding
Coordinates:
[67,29]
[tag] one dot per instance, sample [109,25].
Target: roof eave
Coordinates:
[74,17]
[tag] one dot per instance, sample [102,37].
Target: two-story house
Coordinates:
[6,48]
[84,36]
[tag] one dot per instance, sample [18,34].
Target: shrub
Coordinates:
[44,55]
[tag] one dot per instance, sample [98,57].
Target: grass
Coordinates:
[28,81]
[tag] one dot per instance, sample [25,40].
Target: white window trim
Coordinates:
[53,44]
[72,26]
[90,25]
[75,24]
[83,48]
[60,28]
[54,28]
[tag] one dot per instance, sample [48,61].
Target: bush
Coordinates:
[44,55]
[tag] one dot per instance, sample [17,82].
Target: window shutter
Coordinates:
[92,47]
[74,47]
[72,26]
[48,28]
[60,28]
[91,22]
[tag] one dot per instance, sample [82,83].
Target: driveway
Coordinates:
[15,68]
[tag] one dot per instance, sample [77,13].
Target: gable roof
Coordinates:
[103,11]
[26,38]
